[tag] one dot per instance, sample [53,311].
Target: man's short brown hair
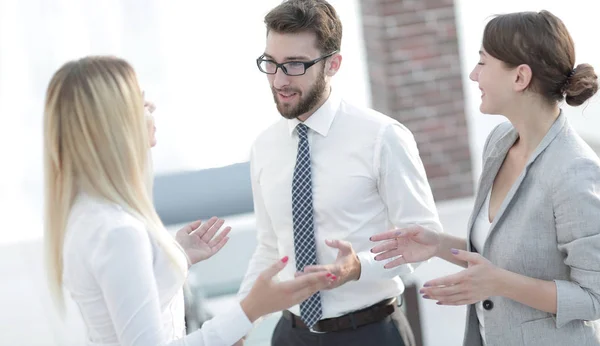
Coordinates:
[317,16]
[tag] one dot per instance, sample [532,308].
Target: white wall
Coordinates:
[195,60]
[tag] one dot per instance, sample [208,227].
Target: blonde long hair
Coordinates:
[96,140]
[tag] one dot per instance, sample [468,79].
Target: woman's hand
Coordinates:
[474,284]
[199,241]
[406,245]
[149,108]
[268,296]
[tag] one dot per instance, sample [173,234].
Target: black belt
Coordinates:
[353,320]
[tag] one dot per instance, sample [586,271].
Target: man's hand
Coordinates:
[199,241]
[345,268]
[268,295]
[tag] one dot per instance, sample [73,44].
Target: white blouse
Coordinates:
[125,286]
[481,230]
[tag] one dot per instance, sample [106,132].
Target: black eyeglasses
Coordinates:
[290,68]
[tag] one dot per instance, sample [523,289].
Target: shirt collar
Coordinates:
[320,121]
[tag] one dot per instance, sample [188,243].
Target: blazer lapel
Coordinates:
[490,169]
[503,146]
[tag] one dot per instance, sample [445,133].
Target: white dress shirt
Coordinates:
[126,288]
[481,230]
[367,178]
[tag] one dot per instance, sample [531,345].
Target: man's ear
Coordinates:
[334,64]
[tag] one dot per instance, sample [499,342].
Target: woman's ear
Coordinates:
[523,76]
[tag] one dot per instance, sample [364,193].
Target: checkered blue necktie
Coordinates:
[304,236]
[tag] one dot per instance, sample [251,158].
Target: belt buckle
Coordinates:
[312,330]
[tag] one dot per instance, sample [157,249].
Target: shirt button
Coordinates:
[488,304]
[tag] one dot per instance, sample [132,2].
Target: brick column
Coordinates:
[414,67]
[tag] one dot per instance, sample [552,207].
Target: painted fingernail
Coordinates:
[454,251]
[421,291]
[440,303]
[426,285]
[426,297]
[371,238]
[285,259]
[398,233]
[329,275]
[333,277]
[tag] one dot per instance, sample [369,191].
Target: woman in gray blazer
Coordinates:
[532,251]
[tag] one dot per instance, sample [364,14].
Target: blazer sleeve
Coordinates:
[577,215]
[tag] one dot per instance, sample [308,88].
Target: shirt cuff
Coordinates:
[228,327]
[370,269]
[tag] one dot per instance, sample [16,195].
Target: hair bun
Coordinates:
[581,85]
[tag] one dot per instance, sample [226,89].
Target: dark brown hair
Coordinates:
[541,40]
[317,16]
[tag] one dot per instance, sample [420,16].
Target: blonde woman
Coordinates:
[105,242]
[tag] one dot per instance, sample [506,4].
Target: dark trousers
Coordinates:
[394,330]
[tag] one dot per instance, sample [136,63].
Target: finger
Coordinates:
[202,228]
[388,245]
[318,283]
[395,263]
[388,254]
[219,237]
[217,247]
[302,281]
[389,235]
[342,245]
[213,230]
[449,299]
[189,228]
[304,286]
[319,268]
[150,105]
[458,300]
[440,293]
[449,280]
[298,274]
[275,268]
[397,232]
[470,257]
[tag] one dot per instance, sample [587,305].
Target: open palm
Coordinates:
[199,241]
[407,245]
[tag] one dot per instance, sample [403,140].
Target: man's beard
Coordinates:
[306,104]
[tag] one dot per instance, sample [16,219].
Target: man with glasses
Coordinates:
[325,178]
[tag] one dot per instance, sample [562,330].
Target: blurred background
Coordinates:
[196,60]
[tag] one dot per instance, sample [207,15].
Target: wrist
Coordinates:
[501,283]
[251,310]
[441,246]
[356,270]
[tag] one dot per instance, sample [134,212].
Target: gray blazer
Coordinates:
[548,227]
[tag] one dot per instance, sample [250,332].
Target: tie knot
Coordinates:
[302,129]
